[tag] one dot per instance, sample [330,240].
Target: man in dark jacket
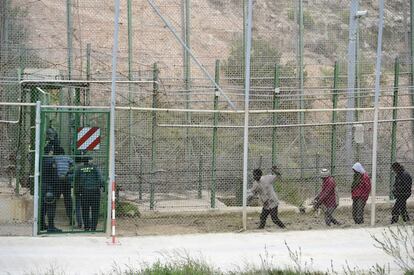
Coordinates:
[401,191]
[88,185]
[48,194]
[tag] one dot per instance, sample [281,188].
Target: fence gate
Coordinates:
[74,155]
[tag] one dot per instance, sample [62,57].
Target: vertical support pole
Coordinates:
[412,66]
[301,86]
[112,181]
[200,177]
[88,61]
[351,81]
[334,118]
[317,170]
[140,178]
[187,71]
[4,6]
[276,103]
[246,109]
[69,26]
[21,154]
[214,149]
[376,110]
[19,159]
[130,78]
[129,14]
[153,133]
[87,93]
[394,122]
[34,97]
[36,172]
[88,74]
[244,40]
[358,87]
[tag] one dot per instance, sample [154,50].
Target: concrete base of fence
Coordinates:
[15,209]
[190,208]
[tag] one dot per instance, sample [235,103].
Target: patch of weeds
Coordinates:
[127,209]
[398,242]
[175,263]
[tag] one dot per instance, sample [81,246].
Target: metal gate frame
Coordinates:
[41,127]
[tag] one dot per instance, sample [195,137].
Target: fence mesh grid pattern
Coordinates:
[173,167]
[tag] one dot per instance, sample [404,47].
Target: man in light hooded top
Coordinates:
[264,189]
[361,187]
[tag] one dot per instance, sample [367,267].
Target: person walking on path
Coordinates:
[361,187]
[401,191]
[263,187]
[327,197]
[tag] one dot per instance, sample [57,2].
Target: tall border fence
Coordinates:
[179,146]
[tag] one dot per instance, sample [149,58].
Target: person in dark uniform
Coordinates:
[88,186]
[48,194]
[401,191]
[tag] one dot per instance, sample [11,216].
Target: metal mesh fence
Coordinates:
[175,167]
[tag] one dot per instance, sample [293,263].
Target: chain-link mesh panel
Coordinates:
[17,166]
[167,156]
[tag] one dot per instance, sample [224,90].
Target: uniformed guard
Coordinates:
[88,186]
[48,194]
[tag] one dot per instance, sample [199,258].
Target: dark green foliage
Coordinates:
[263,59]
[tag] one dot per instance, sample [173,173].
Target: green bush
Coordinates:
[264,57]
[127,209]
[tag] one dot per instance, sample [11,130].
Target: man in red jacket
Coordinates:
[361,187]
[327,197]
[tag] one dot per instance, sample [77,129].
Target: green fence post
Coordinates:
[214,149]
[87,98]
[69,33]
[334,117]
[200,177]
[276,106]
[21,154]
[394,122]
[153,133]
[317,168]
[301,87]
[19,133]
[130,78]
[140,178]
[186,8]
[34,97]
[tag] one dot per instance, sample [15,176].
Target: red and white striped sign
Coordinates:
[89,138]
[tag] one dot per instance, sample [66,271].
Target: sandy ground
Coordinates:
[320,249]
[209,223]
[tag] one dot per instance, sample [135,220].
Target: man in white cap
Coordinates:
[361,187]
[327,197]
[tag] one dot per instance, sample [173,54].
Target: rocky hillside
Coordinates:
[215,25]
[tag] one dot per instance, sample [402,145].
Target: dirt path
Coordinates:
[171,225]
